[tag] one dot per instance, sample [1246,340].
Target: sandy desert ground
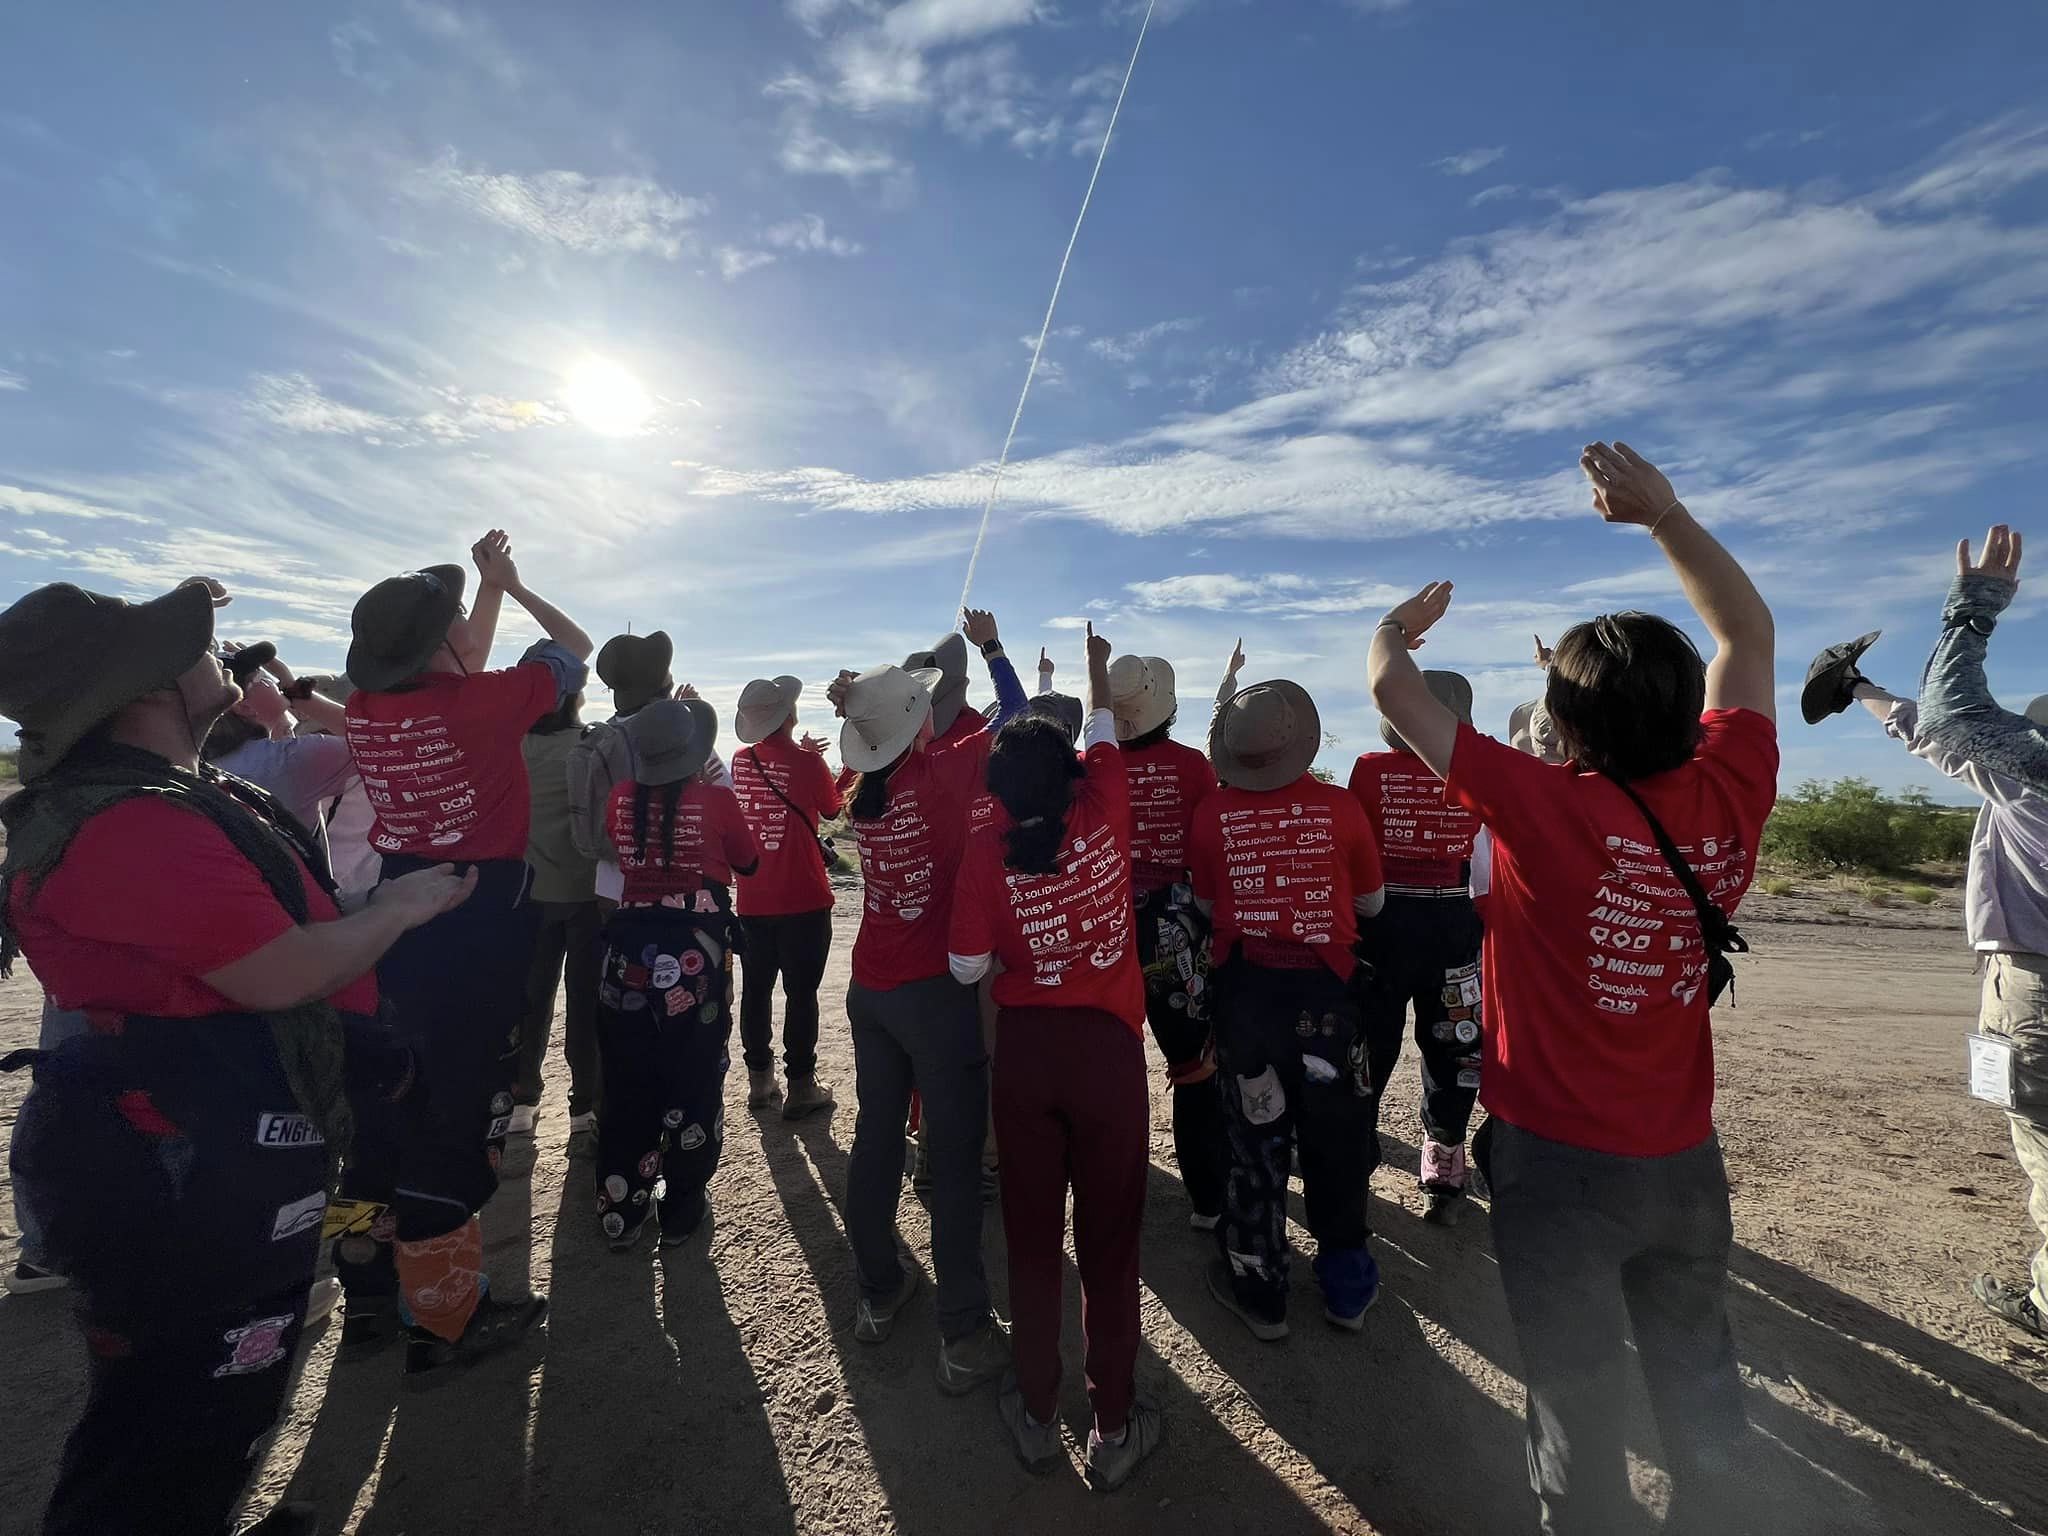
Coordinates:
[720,1389]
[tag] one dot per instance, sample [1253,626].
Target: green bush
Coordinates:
[1851,824]
[1779,885]
[10,767]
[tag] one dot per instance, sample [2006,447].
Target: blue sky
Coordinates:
[309,296]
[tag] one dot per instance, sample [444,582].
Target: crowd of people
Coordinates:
[302,942]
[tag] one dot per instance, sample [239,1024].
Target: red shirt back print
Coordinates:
[442,764]
[1066,940]
[1283,868]
[1425,838]
[792,875]
[1597,1031]
[1168,781]
[709,840]
[910,860]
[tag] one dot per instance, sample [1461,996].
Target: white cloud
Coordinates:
[807,232]
[932,23]
[23,502]
[10,380]
[734,264]
[1495,194]
[1132,345]
[602,215]
[442,413]
[470,34]
[1470,162]
[1981,165]
[1067,621]
[294,402]
[807,152]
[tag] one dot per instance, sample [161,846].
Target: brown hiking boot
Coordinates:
[806,1097]
[762,1092]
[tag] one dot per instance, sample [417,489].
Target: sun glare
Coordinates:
[606,398]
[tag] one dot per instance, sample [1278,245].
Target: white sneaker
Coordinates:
[322,1300]
[523,1118]
[583,1135]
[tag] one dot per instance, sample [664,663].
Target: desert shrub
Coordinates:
[1852,824]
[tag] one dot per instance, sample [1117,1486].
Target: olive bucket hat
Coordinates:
[399,623]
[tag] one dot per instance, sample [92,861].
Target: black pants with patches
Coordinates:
[1292,1065]
[457,991]
[1424,952]
[1173,948]
[794,947]
[664,1021]
[181,1190]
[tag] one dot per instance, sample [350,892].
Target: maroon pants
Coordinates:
[1071,1108]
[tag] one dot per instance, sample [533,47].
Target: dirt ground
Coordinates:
[721,1389]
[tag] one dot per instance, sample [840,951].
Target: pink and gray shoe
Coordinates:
[1443,1182]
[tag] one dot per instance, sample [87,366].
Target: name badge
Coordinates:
[1991,1070]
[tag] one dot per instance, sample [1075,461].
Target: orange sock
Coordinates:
[442,1278]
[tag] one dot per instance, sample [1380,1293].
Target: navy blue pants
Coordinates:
[664,1023]
[456,989]
[1424,951]
[178,1186]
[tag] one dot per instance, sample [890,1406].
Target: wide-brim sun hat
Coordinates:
[949,694]
[400,623]
[885,709]
[1141,695]
[765,706]
[2037,710]
[71,659]
[1062,708]
[672,740]
[1266,736]
[1831,679]
[1453,690]
[636,668]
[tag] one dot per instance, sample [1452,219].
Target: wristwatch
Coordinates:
[992,650]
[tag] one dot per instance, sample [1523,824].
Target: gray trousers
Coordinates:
[926,1036]
[58,1026]
[2015,1008]
[1593,1247]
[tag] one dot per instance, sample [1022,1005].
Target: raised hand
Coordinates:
[812,743]
[2001,557]
[1099,649]
[425,894]
[1045,666]
[1627,488]
[687,691]
[1543,653]
[214,589]
[835,693]
[493,556]
[1236,658]
[1415,616]
[980,625]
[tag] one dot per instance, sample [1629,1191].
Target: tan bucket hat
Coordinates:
[765,704]
[1141,695]
[885,709]
[1266,736]
[1450,689]
[949,694]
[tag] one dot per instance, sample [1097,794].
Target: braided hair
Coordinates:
[671,795]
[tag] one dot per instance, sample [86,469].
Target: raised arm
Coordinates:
[473,636]
[980,627]
[1628,488]
[1398,688]
[1957,711]
[494,562]
[1228,690]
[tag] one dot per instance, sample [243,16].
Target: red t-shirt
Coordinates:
[1425,840]
[910,858]
[711,836]
[1597,1031]
[792,875]
[1065,940]
[147,900]
[970,724]
[442,763]
[1283,867]
[1168,780]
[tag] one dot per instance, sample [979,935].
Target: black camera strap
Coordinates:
[825,850]
[1717,931]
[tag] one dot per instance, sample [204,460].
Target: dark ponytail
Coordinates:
[871,793]
[1032,770]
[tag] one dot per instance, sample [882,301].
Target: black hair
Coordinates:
[566,716]
[1032,770]
[871,794]
[230,733]
[1153,737]
[670,794]
[1625,692]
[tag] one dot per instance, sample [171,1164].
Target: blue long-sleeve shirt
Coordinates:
[1957,711]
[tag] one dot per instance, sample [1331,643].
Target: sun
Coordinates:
[606,398]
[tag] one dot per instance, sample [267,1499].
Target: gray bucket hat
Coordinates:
[672,740]
[1266,736]
[1450,689]
[70,659]
[400,622]
[765,704]
[949,696]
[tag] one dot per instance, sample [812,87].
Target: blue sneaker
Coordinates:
[1351,1284]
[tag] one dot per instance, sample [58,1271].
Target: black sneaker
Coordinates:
[26,1279]
[369,1324]
[1442,1207]
[1267,1330]
[297,1519]
[431,1360]
[2016,1307]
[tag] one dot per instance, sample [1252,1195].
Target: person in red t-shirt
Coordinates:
[1423,949]
[664,1013]
[1610,1200]
[174,1152]
[912,1023]
[439,745]
[1286,865]
[1044,903]
[787,792]
[1168,781]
